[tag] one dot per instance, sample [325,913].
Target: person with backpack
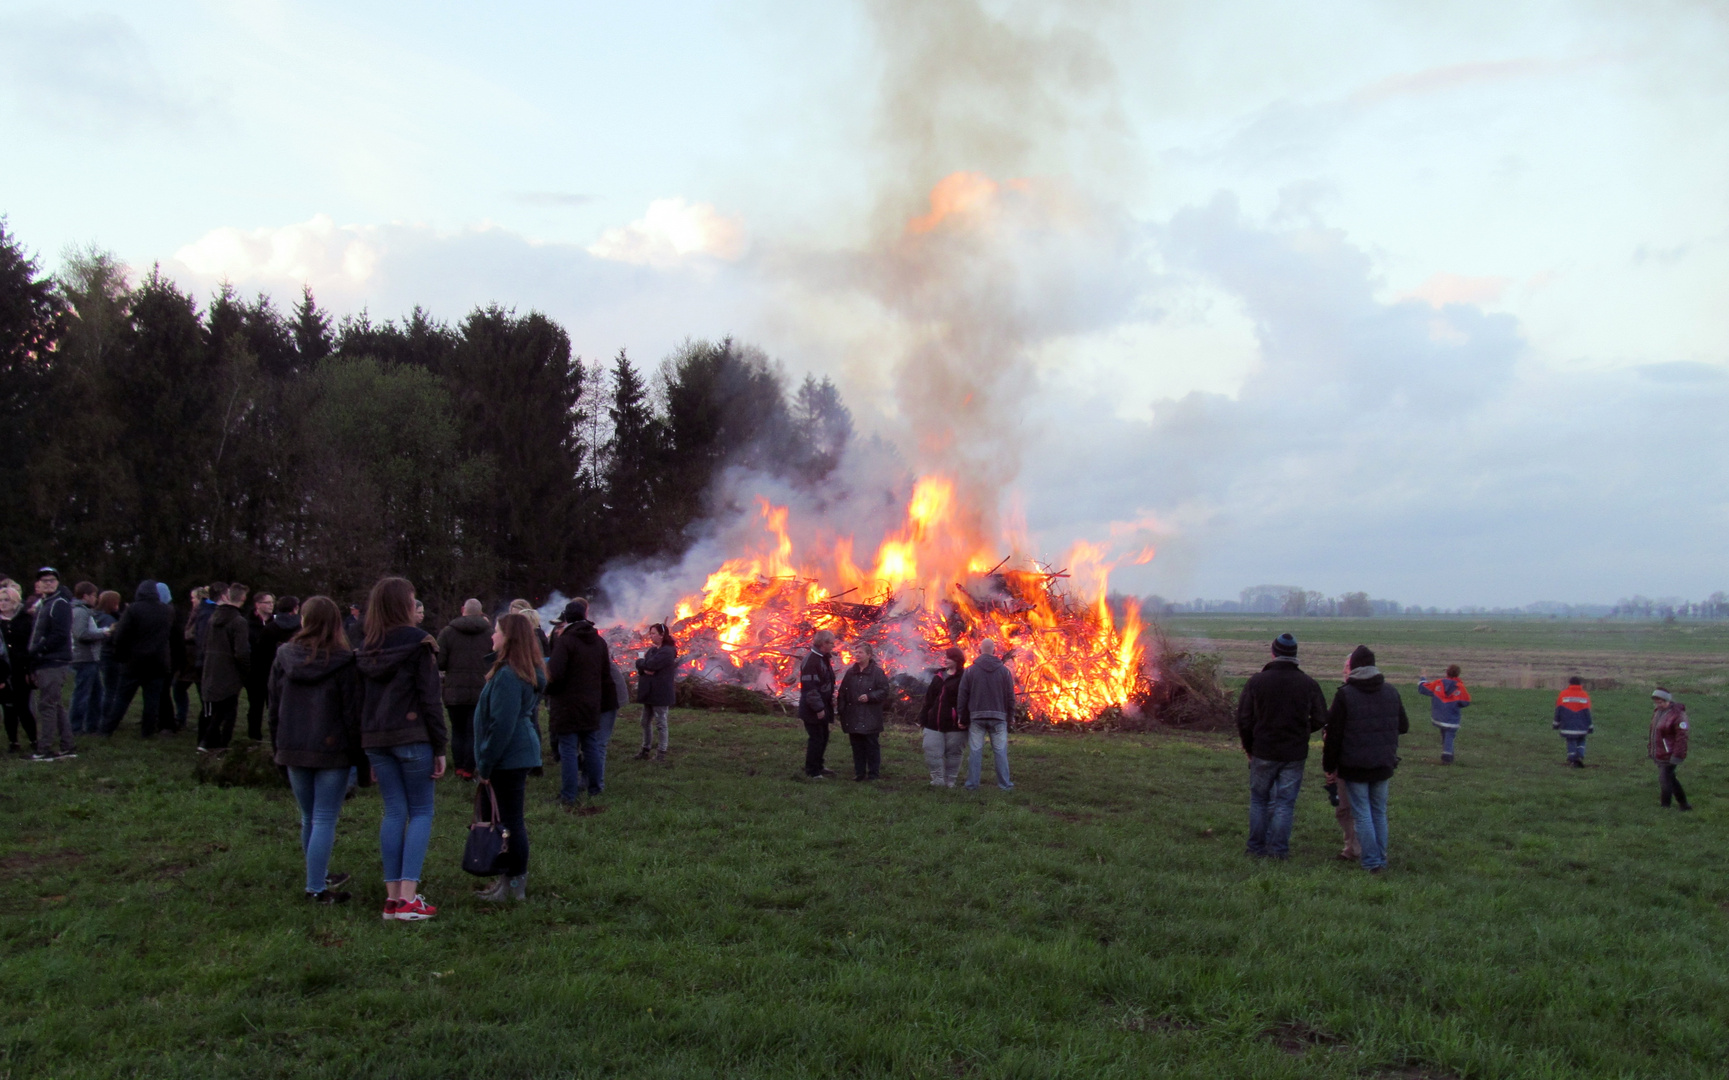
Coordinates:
[313,699]
[1446,697]
[655,688]
[1668,746]
[402,730]
[1573,719]
[507,745]
[1361,748]
[50,658]
[863,689]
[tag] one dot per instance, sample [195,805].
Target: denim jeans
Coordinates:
[581,763]
[1273,788]
[997,731]
[1575,747]
[319,793]
[654,724]
[1447,736]
[86,713]
[1369,811]
[405,785]
[129,685]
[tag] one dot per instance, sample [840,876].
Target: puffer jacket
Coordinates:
[87,635]
[657,671]
[1363,728]
[1446,698]
[227,654]
[863,717]
[942,702]
[987,691]
[464,654]
[816,689]
[403,701]
[315,709]
[579,680]
[505,736]
[1668,744]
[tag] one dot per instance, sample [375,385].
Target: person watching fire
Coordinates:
[1280,708]
[862,693]
[816,702]
[944,737]
[985,702]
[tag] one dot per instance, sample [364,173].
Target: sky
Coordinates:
[1422,299]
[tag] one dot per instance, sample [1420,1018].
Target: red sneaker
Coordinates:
[464,774]
[415,910]
[391,907]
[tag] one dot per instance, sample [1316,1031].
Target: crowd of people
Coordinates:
[1281,707]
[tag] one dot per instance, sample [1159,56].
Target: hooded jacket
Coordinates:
[315,709]
[1668,743]
[1573,712]
[987,691]
[1363,728]
[51,631]
[464,649]
[656,672]
[816,689]
[227,651]
[402,696]
[863,717]
[942,702]
[1279,709]
[1446,698]
[141,638]
[87,635]
[579,680]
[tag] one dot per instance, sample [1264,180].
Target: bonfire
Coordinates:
[928,588]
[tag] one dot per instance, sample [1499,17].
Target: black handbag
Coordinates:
[488,840]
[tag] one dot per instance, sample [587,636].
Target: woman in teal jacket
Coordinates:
[507,744]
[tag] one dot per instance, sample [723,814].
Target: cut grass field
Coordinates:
[722,918]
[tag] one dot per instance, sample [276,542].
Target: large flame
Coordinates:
[934,583]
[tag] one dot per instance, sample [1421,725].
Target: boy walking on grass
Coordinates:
[1573,719]
[1446,698]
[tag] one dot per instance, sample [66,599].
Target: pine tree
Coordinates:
[312,338]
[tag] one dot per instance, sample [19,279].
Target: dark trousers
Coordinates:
[815,747]
[131,684]
[216,725]
[255,698]
[182,704]
[461,736]
[18,715]
[511,787]
[1668,784]
[867,756]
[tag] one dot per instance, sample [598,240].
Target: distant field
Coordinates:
[1523,653]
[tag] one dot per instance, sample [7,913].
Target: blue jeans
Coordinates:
[1273,788]
[580,765]
[86,697]
[1575,747]
[1447,736]
[319,793]
[998,733]
[1369,813]
[405,784]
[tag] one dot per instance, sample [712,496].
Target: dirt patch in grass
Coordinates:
[1411,1072]
[1296,1037]
[1069,816]
[25,863]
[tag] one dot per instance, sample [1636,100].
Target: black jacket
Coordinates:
[198,629]
[403,697]
[863,717]
[464,652]
[315,709]
[1278,711]
[941,711]
[816,689]
[1363,728]
[17,632]
[271,636]
[579,684]
[51,632]
[140,641]
[657,670]
[227,651]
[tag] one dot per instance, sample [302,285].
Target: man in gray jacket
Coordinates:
[87,638]
[986,702]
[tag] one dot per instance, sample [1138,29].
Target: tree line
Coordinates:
[142,435]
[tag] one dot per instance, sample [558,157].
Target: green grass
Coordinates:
[1469,632]
[721,918]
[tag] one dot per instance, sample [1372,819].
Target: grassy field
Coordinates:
[721,918]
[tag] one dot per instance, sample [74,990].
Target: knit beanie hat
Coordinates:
[1361,656]
[1285,645]
[576,611]
[163,594]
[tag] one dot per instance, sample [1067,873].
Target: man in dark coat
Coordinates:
[227,652]
[1362,749]
[579,689]
[141,647]
[258,622]
[50,659]
[1278,711]
[464,655]
[816,702]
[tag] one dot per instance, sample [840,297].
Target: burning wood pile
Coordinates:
[754,619]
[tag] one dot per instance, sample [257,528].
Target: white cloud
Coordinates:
[310,251]
[673,233]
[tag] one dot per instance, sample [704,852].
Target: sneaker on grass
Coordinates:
[391,907]
[414,910]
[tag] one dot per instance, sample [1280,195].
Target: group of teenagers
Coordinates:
[1281,707]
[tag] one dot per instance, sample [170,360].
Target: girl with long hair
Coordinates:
[656,670]
[314,697]
[507,744]
[402,730]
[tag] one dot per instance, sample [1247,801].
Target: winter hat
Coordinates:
[576,611]
[1285,645]
[1361,656]
[1662,695]
[47,571]
[163,594]
[954,653]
